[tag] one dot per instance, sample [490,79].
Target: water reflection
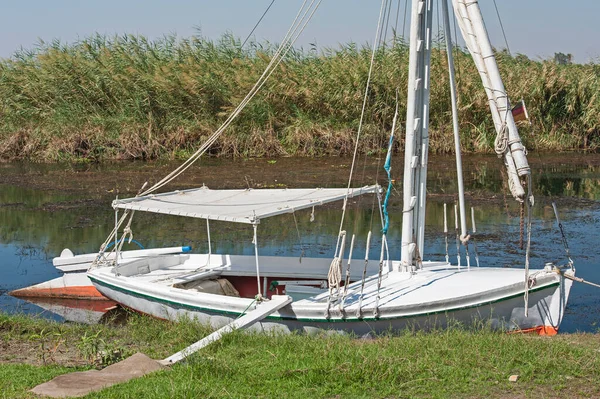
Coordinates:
[45,208]
[21,266]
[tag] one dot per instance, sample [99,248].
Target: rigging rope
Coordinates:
[302,18]
[300,22]
[404,22]
[396,24]
[528,283]
[456,49]
[299,238]
[502,27]
[388,169]
[259,21]
[387,22]
[501,142]
[364,276]
[362,115]
[563,236]
[457,235]
[446,232]
[473,231]
[379,278]
[334,277]
[347,280]
[578,279]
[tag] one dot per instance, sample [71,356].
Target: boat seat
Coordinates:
[200,275]
[219,286]
[148,264]
[299,292]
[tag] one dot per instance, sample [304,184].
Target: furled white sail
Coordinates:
[508,143]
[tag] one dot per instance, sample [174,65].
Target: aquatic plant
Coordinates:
[127,97]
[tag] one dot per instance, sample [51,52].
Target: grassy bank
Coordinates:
[131,98]
[454,363]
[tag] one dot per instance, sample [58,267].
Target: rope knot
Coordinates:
[465,239]
[128,232]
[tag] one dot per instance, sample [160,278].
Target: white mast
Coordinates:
[417,135]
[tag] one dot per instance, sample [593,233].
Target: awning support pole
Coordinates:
[255,241]
[116,236]
[209,247]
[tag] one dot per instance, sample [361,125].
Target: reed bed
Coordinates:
[127,97]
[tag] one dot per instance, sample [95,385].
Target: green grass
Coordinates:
[17,379]
[453,363]
[127,97]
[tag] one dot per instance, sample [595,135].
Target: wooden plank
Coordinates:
[262,310]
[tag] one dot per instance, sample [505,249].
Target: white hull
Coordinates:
[433,297]
[74,283]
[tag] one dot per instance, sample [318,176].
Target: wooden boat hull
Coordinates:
[74,285]
[406,301]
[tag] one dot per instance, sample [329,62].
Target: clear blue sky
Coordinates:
[537,28]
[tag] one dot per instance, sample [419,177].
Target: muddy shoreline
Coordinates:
[99,184]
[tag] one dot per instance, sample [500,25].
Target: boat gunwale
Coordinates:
[334,319]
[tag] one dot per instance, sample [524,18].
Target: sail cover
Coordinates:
[239,206]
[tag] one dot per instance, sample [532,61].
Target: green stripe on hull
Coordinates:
[337,320]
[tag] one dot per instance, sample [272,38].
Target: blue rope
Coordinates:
[388,169]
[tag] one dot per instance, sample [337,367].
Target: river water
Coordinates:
[45,208]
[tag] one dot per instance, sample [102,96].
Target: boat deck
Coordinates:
[437,284]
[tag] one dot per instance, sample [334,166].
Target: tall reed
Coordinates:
[127,97]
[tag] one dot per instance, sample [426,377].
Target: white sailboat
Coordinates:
[386,294]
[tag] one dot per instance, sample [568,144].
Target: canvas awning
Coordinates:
[239,206]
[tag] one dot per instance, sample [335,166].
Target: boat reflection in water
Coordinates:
[76,310]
